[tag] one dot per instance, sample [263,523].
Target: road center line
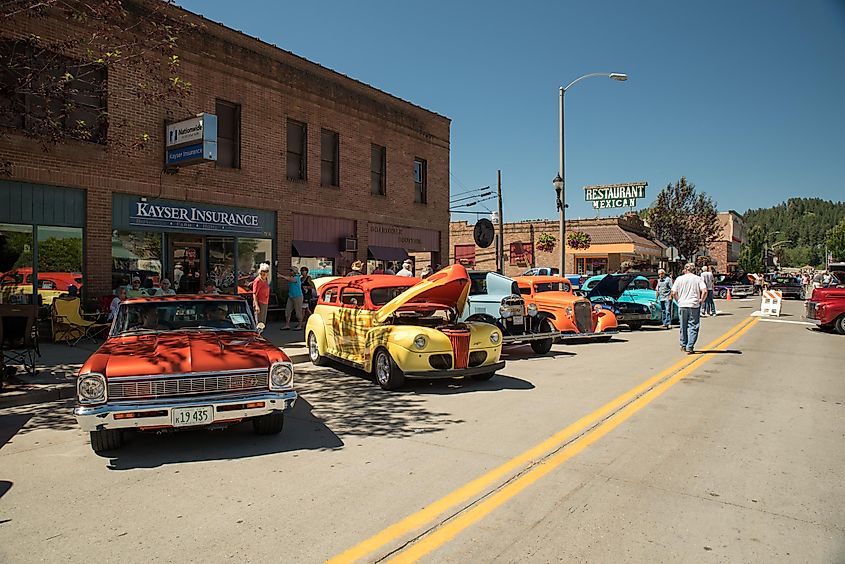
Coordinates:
[451,528]
[427,515]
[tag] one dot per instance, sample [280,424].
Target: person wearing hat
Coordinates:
[355,269]
[407,269]
[135,291]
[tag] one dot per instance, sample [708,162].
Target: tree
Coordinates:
[69,85]
[684,219]
[835,241]
[751,256]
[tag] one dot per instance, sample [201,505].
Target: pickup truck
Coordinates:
[826,308]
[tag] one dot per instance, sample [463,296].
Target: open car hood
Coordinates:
[448,287]
[611,286]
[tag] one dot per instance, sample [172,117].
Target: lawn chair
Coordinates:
[70,324]
[18,336]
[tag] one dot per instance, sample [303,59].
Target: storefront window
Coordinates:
[220,263]
[251,253]
[591,266]
[136,254]
[317,266]
[15,263]
[59,261]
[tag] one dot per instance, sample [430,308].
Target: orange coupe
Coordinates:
[574,316]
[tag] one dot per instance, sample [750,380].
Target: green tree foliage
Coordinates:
[804,221]
[752,252]
[683,218]
[835,241]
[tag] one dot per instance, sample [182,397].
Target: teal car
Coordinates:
[638,291]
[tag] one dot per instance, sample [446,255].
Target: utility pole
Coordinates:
[500,247]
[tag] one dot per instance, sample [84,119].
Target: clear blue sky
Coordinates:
[746,99]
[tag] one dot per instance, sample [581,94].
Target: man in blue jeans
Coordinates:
[664,296]
[689,291]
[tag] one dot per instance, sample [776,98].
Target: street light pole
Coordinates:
[560,180]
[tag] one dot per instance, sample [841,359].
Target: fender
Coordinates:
[484,318]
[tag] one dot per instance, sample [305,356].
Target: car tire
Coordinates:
[482,377]
[839,324]
[270,424]
[106,440]
[723,293]
[314,350]
[543,346]
[636,326]
[385,372]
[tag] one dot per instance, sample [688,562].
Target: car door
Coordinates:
[351,324]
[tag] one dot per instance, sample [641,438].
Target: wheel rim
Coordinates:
[313,351]
[382,368]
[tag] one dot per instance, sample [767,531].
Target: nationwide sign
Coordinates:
[615,195]
[191,141]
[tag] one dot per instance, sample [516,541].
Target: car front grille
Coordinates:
[583,317]
[477,358]
[440,361]
[188,385]
[460,346]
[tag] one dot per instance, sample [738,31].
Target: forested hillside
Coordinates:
[804,221]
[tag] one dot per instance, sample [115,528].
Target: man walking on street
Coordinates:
[709,306]
[689,291]
[664,296]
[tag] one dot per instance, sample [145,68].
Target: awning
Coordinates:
[386,253]
[315,249]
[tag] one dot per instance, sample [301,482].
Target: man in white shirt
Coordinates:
[709,306]
[689,291]
[406,269]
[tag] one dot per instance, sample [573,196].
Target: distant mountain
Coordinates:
[804,221]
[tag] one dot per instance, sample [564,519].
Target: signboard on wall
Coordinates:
[615,195]
[521,254]
[191,141]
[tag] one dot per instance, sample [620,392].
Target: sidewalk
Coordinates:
[59,363]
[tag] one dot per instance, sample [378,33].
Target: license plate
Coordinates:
[188,416]
[517,320]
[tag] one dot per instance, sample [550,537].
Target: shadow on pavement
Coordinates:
[5,486]
[10,425]
[54,416]
[714,351]
[303,431]
[525,353]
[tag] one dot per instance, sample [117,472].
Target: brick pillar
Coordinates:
[98,228]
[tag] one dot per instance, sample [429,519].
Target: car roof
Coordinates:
[183,298]
[541,279]
[370,281]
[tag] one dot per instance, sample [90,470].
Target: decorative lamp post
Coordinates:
[560,180]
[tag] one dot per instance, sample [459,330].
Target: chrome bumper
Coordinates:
[574,336]
[483,369]
[98,417]
[626,317]
[528,337]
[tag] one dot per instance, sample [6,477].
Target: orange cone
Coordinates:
[729,298]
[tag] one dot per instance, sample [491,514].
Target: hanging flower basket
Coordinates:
[578,240]
[546,243]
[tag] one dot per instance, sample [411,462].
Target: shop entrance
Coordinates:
[187,270]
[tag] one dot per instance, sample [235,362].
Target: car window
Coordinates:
[380,296]
[164,316]
[352,297]
[640,285]
[46,285]
[330,295]
[525,291]
[478,284]
[552,287]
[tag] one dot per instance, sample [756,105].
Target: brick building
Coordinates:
[314,168]
[615,242]
[725,251]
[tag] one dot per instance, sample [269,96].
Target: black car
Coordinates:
[789,286]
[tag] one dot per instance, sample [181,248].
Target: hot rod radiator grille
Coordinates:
[584,317]
[460,347]
[186,385]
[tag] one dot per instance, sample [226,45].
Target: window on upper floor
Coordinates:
[228,134]
[329,158]
[420,181]
[378,167]
[296,162]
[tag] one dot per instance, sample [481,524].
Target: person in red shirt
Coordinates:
[261,293]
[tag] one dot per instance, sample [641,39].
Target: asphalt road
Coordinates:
[624,451]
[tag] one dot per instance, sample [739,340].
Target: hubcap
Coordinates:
[382,368]
[312,347]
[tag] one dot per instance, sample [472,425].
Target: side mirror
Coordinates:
[260,327]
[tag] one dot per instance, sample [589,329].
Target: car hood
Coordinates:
[611,286]
[556,299]
[448,287]
[182,352]
[640,296]
[820,294]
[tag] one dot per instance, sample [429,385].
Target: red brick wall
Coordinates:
[271,85]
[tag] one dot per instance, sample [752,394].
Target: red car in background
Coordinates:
[826,308]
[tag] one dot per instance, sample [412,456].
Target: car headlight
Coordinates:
[569,311]
[532,310]
[420,341]
[91,388]
[281,375]
[597,308]
[494,337]
[652,306]
[504,312]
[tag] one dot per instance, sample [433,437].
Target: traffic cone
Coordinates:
[729,298]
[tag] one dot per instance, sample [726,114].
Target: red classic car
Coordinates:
[182,361]
[826,308]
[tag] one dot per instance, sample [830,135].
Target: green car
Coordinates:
[631,296]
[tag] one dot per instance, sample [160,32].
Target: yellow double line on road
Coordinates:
[533,463]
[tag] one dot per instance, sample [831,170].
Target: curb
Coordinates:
[55,392]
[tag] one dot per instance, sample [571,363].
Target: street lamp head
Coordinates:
[558,183]
[620,76]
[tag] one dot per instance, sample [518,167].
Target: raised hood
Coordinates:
[448,287]
[612,286]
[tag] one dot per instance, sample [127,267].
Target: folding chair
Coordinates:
[18,336]
[69,323]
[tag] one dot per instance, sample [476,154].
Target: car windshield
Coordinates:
[380,296]
[163,316]
[551,287]
[478,283]
[639,285]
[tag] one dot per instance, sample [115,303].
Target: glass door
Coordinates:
[220,263]
[188,268]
